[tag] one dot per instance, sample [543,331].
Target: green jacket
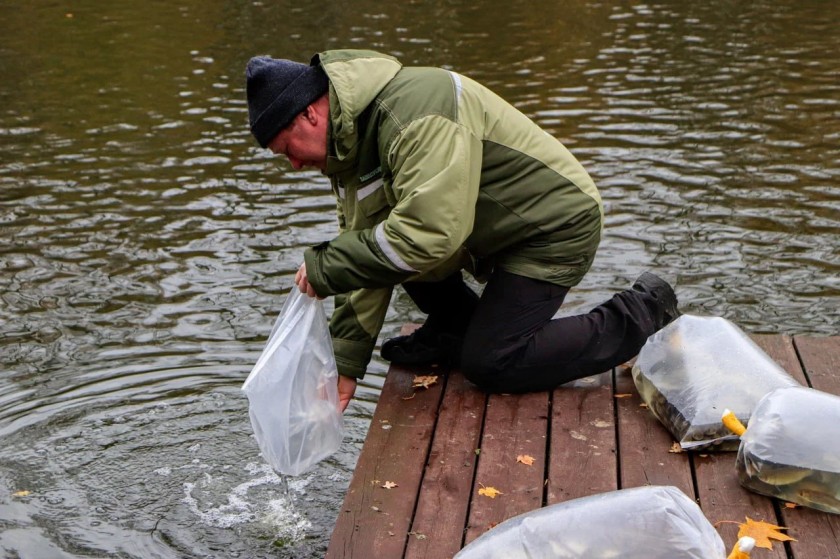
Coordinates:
[433,173]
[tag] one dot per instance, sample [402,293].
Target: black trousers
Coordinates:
[511,342]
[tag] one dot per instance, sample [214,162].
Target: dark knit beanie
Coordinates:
[279,90]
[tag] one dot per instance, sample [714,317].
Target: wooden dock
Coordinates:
[442,444]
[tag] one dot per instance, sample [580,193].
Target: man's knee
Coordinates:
[483,369]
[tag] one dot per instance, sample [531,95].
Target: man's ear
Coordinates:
[310,114]
[317,111]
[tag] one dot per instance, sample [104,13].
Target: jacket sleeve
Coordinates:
[436,169]
[354,327]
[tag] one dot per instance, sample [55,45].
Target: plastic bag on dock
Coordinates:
[694,368]
[791,449]
[652,522]
[292,390]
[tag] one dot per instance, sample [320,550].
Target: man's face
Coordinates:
[304,141]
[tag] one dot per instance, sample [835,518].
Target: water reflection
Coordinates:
[148,243]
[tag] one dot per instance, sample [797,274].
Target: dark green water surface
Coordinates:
[147,243]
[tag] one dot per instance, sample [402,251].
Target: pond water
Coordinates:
[148,244]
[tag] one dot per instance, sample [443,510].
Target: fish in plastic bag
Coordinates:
[652,522]
[791,448]
[694,368]
[292,390]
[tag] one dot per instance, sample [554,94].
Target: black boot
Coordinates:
[425,346]
[663,296]
[449,304]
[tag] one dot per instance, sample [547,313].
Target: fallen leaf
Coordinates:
[763,532]
[413,394]
[389,485]
[23,493]
[489,491]
[376,509]
[643,405]
[622,396]
[477,451]
[791,506]
[676,448]
[424,381]
[525,459]
[418,535]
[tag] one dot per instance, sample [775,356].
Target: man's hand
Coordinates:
[346,389]
[303,283]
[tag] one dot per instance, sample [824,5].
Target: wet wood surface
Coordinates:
[582,442]
[443,501]
[514,426]
[443,444]
[820,359]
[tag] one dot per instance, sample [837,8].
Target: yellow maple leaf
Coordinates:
[489,491]
[389,485]
[424,381]
[525,459]
[763,532]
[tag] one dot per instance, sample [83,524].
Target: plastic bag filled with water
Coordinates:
[689,372]
[791,449]
[652,522]
[292,390]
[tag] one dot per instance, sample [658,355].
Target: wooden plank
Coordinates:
[441,515]
[644,443]
[513,425]
[780,349]
[720,494]
[582,452]
[817,533]
[722,498]
[374,521]
[821,358]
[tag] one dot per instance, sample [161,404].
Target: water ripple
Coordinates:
[148,243]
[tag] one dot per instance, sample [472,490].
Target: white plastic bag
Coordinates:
[292,390]
[696,367]
[791,449]
[652,522]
